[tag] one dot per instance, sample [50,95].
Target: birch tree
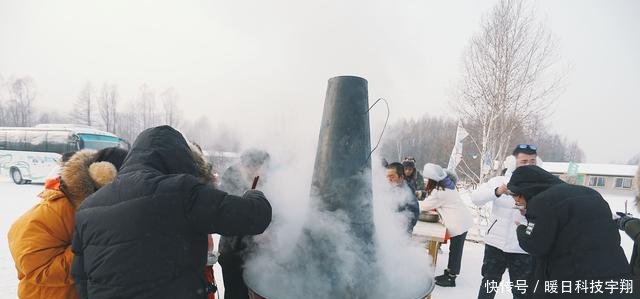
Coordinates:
[509,79]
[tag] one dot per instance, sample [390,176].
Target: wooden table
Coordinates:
[432,234]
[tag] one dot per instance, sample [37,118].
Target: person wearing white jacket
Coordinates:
[502,250]
[443,196]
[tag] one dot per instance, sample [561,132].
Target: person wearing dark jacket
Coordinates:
[145,234]
[414,179]
[408,203]
[631,226]
[571,236]
[237,179]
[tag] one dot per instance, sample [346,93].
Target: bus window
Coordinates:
[3,140]
[36,141]
[58,142]
[98,142]
[15,140]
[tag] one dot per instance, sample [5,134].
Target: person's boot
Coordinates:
[447,272]
[446,280]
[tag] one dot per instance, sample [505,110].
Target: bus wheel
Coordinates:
[16,176]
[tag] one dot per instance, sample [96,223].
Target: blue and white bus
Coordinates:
[30,154]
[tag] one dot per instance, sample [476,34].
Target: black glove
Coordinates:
[254,195]
[622,221]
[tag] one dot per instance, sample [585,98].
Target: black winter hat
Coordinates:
[408,163]
[113,155]
[531,180]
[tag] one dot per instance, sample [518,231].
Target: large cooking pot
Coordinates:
[420,294]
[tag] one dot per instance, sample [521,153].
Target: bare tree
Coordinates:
[210,137]
[108,106]
[146,107]
[199,131]
[509,80]
[82,112]
[50,116]
[3,97]
[224,138]
[551,146]
[137,115]
[129,124]
[3,117]
[172,113]
[429,139]
[574,153]
[22,94]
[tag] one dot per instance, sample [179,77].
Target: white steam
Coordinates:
[280,267]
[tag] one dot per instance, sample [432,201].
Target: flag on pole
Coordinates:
[456,153]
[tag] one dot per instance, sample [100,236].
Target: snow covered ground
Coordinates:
[17,199]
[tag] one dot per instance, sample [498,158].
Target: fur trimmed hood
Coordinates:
[204,171]
[82,176]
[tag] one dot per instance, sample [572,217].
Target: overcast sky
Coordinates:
[255,64]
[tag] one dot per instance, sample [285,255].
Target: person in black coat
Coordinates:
[571,235]
[237,179]
[414,178]
[631,226]
[145,234]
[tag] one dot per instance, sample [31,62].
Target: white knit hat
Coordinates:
[434,172]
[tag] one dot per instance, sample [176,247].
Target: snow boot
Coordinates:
[446,280]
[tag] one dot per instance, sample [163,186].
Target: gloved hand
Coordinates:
[622,221]
[254,195]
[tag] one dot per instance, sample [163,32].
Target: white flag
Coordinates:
[456,153]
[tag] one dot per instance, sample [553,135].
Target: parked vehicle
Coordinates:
[31,154]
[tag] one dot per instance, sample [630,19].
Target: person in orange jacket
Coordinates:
[53,182]
[40,240]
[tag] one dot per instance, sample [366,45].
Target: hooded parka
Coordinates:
[145,234]
[570,233]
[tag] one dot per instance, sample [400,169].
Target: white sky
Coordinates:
[259,63]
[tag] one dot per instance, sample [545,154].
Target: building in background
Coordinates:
[606,178]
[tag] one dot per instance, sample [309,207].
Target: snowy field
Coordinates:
[18,199]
